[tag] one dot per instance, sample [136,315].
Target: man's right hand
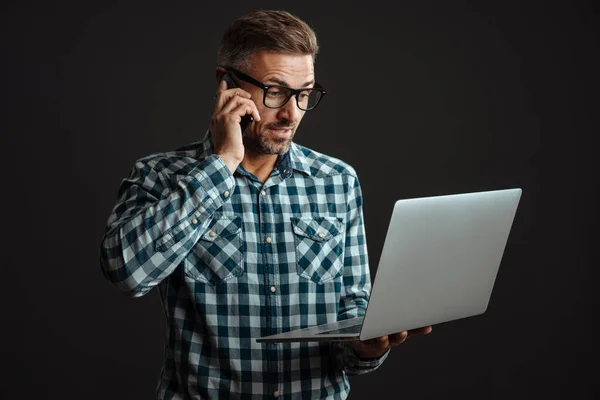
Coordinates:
[231,105]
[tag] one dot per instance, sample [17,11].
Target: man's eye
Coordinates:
[304,95]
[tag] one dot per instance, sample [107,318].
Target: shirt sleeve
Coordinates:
[157,219]
[356,286]
[353,364]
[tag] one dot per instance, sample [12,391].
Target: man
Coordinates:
[249,235]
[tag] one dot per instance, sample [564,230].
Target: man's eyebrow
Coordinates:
[284,83]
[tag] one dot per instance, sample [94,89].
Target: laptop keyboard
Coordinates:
[349,329]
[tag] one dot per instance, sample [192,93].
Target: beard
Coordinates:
[263,144]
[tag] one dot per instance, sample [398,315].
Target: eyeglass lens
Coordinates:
[276,96]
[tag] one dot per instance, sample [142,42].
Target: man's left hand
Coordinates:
[375,348]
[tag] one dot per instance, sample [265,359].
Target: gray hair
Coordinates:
[272,30]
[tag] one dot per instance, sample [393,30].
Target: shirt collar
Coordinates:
[297,159]
[292,159]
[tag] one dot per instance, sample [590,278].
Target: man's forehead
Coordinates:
[297,69]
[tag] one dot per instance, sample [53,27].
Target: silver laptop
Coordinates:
[439,263]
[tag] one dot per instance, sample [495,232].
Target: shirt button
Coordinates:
[194,221]
[268,239]
[226,194]
[263,193]
[273,289]
[275,394]
[212,234]
[285,171]
[320,234]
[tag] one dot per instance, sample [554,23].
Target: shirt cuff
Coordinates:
[214,177]
[355,365]
[370,361]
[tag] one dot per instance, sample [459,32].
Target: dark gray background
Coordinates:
[424,99]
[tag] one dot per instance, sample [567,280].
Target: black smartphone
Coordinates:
[246,119]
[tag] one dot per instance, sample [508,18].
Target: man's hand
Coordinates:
[375,348]
[231,105]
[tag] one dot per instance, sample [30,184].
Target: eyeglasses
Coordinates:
[276,96]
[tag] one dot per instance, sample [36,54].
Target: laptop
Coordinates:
[438,263]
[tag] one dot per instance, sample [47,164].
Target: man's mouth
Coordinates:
[281,131]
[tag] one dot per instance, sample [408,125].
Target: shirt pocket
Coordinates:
[319,247]
[218,255]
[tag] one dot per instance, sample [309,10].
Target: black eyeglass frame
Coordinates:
[293,92]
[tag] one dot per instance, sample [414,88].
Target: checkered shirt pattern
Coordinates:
[235,259]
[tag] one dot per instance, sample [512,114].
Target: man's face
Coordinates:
[277,126]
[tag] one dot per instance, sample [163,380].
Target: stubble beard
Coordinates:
[264,145]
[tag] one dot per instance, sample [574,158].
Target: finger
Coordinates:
[242,110]
[222,86]
[228,123]
[425,330]
[358,345]
[382,341]
[234,104]
[248,110]
[398,338]
[224,95]
[222,90]
[420,331]
[255,113]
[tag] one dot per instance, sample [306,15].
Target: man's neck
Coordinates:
[260,166]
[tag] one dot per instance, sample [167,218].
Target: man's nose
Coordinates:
[290,111]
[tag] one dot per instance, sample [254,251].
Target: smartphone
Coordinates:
[246,119]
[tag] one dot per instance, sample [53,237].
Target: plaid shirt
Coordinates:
[235,259]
